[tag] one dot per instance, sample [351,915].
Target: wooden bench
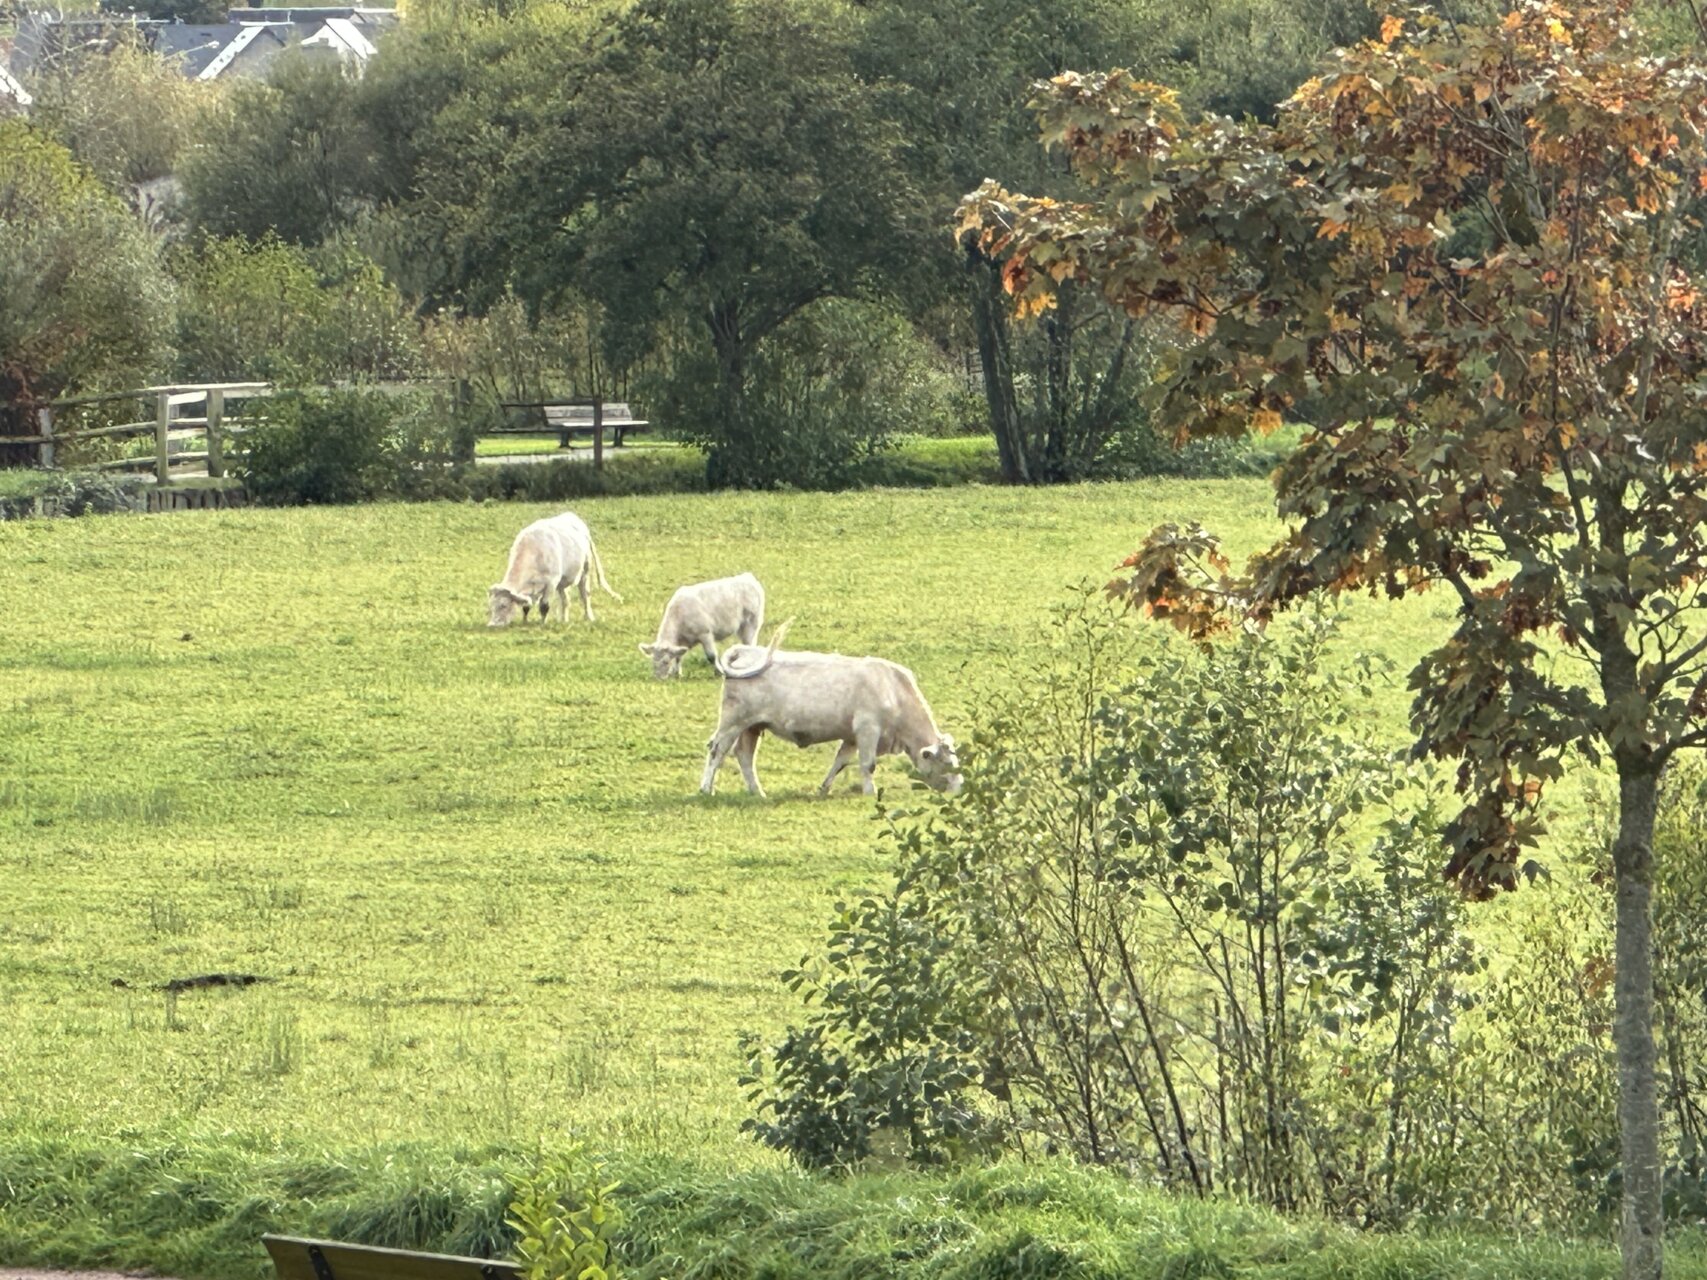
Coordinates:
[571,417]
[298,1259]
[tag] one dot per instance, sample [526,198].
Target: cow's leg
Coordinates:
[526,605]
[585,588]
[710,649]
[746,749]
[545,607]
[844,757]
[562,604]
[715,751]
[749,630]
[866,737]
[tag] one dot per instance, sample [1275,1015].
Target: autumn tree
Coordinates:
[1465,245]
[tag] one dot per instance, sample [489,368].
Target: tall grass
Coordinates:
[197,1210]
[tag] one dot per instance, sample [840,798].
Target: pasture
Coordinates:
[472,864]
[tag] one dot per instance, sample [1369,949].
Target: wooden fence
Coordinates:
[171,427]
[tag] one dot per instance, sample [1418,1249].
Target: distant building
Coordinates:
[243,45]
[12,94]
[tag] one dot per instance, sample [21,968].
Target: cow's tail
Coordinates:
[599,570]
[744,673]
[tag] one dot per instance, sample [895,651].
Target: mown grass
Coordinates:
[521,445]
[472,864]
[921,462]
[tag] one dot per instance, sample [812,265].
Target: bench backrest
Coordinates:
[581,415]
[299,1259]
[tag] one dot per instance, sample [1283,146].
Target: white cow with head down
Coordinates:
[872,707]
[702,614]
[547,558]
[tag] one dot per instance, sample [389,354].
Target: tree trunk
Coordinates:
[995,357]
[728,341]
[1058,376]
[1642,1236]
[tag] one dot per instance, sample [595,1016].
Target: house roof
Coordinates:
[342,35]
[359,14]
[10,88]
[203,51]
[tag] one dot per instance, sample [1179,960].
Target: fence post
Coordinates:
[162,424]
[215,415]
[44,429]
[598,434]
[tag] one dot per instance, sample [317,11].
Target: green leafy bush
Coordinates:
[826,392]
[565,1221]
[271,310]
[84,303]
[351,446]
[1181,921]
[71,493]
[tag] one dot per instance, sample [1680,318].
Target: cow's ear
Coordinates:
[948,742]
[645,648]
[929,753]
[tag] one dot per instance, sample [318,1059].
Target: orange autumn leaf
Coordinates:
[1390,28]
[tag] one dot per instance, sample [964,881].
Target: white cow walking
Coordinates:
[546,559]
[702,614]
[872,707]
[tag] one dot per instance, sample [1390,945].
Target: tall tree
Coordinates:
[127,115]
[713,162]
[1465,244]
[288,155]
[965,70]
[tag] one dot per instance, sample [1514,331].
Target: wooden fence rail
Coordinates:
[167,426]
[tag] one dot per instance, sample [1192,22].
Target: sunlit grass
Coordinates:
[473,865]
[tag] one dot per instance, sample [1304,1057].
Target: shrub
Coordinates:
[84,304]
[73,493]
[1153,933]
[831,388]
[351,446]
[565,1221]
[273,311]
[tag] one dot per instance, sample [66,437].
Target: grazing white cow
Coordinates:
[547,558]
[702,614]
[871,706]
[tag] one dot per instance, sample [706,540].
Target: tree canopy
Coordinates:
[712,166]
[83,300]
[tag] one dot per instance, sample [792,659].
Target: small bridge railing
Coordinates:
[181,411]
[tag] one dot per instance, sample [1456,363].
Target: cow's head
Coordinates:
[666,659]
[940,767]
[502,603]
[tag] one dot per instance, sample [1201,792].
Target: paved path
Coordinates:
[510,459]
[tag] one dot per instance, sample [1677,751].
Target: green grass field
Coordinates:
[492,908]
[519,445]
[283,742]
